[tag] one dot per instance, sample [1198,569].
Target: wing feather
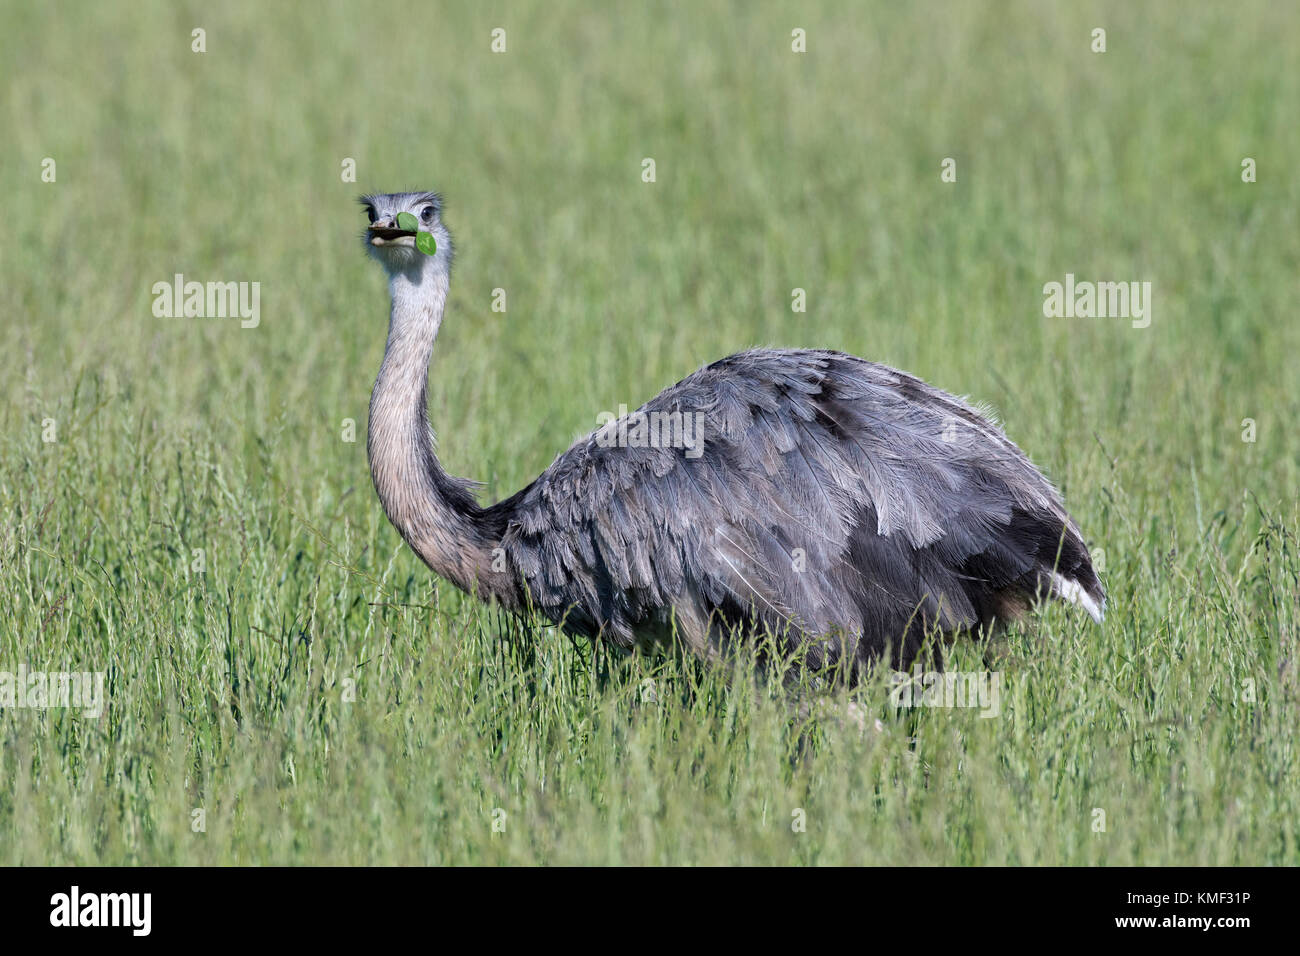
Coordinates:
[831,495]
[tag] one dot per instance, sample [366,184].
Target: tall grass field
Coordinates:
[186,510]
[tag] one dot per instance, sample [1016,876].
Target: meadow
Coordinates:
[187,508]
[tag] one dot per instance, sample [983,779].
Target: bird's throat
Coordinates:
[435,513]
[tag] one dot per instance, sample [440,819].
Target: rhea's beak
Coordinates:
[384,232]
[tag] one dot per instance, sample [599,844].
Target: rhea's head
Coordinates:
[394,246]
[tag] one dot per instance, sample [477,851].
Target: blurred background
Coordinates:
[774,171]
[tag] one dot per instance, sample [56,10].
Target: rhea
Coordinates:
[843,509]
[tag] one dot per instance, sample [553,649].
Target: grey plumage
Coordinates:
[844,506]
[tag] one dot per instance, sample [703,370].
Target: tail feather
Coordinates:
[1074,592]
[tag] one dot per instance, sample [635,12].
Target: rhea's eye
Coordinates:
[427,213]
[370,213]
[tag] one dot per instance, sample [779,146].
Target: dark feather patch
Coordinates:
[846,505]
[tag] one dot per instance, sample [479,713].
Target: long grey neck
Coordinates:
[436,514]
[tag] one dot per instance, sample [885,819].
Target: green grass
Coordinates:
[774,171]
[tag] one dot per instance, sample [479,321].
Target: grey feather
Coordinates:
[815,452]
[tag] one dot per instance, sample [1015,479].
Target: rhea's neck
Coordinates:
[434,512]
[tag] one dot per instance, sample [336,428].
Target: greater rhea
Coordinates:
[845,508]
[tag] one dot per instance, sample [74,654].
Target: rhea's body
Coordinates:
[844,506]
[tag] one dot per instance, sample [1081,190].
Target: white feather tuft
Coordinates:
[1073,592]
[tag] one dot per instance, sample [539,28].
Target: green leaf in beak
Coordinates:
[406,221]
[424,242]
